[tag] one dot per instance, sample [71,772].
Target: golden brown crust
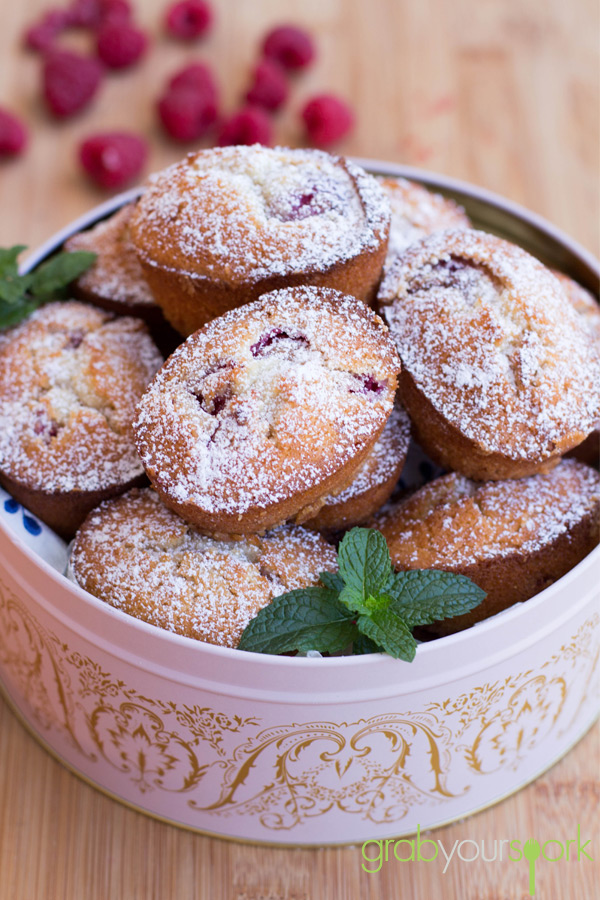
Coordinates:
[500,377]
[268,409]
[512,538]
[116,276]
[140,557]
[373,484]
[585,304]
[283,218]
[116,280]
[417,212]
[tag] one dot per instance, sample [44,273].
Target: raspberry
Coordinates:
[70,81]
[291,47]
[13,136]
[85,13]
[195,75]
[120,45]
[250,125]
[327,119]
[42,34]
[269,87]
[188,19]
[187,112]
[115,11]
[113,158]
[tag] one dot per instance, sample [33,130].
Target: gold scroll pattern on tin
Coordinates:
[287,774]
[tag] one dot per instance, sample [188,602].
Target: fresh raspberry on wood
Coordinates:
[113,159]
[195,75]
[291,47]
[42,34]
[188,19]
[13,135]
[187,113]
[85,13]
[70,81]
[250,125]
[269,86]
[327,119]
[120,45]
[115,11]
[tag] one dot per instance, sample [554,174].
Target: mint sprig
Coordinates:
[21,294]
[366,604]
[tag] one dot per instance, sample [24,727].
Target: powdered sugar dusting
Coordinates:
[254,212]
[70,378]
[383,460]
[117,274]
[417,212]
[140,557]
[488,337]
[454,521]
[583,303]
[231,428]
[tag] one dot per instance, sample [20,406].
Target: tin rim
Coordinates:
[578,259]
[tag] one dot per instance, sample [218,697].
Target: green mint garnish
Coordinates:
[21,294]
[366,604]
[307,619]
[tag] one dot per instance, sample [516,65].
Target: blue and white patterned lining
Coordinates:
[38,537]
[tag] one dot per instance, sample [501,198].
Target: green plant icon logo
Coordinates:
[531,851]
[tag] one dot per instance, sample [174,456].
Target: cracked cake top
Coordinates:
[70,379]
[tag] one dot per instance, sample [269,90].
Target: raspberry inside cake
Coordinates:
[268,409]
[500,375]
[231,223]
[70,378]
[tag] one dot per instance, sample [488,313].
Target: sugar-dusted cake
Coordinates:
[500,375]
[140,557]
[70,378]
[228,224]
[267,410]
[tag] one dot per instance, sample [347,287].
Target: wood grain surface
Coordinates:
[503,93]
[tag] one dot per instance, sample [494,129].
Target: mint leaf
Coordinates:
[13,313]
[14,289]
[332,580]
[12,285]
[366,604]
[306,619]
[388,630]
[366,568]
[363,644]
[59,271]
[21,294]
[423,596]
[8,260]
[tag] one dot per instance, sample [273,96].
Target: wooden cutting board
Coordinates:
[501,94]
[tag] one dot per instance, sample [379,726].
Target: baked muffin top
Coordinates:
[417,212]
[454,521]
[267,401]
[140,557]
[487,335]
[116,274]
[246,213]
[70,379]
